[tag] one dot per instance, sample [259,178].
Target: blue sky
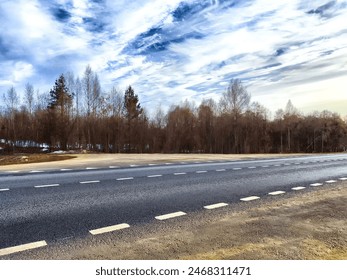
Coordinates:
[174,50]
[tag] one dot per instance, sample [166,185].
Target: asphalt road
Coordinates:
[53,205]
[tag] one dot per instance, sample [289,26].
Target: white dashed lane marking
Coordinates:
[237,168]
[152,164]
[36,171]
[170,216]
[264,166]
[13,171]
[331,181]
[109,229]
[316,184]
[214,206]
[181,173]
[65,169]
[47,186]
[134,165]
[4,190]
[201,171]
[124,179]
[277,193]
[154,176]
[20,248]
[251,167]
[90,182]
[250,198]
[298,188]
[220,170]
[91,168]
[113,167]
[277,165]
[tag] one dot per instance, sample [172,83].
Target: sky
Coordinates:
[171,51]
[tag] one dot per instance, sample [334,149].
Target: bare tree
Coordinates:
[235,102]
[29,97]
[11,101]
[235,99]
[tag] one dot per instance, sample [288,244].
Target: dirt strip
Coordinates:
[102,160]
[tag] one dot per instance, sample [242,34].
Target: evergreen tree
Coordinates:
[132,111]
[60,111]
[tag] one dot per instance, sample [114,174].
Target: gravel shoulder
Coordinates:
[306,225]
[101,160]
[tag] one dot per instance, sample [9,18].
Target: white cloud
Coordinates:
[239,42]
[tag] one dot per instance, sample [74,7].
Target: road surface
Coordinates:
[41,207]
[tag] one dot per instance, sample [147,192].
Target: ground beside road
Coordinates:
[309,224]
[32,158]
[31,161]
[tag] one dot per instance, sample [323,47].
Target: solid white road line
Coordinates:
[4,190]
[277,193]
[47,186]
[342,179]
[170,216]
[181,173]
[109,229]
[154,176]
[124,179]
[90,182]
[316,184]
[214,206]
[201,171]
[298,188]
[249,198]
[331,181]
[20,248]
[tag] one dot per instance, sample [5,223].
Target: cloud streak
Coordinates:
[180,49]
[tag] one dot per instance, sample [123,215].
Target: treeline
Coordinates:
[76,114]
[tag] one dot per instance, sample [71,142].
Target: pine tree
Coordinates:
[60,110]
[132,111]
[60,98]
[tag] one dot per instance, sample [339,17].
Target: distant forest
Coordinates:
[78,115]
